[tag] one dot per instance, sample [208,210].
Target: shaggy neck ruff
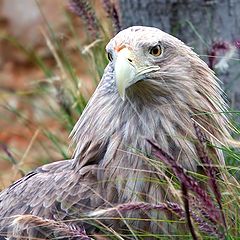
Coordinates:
[115,137]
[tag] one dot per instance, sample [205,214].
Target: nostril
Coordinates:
[130,60]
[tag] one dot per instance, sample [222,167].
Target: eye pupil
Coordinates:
[110,57]
[156,51]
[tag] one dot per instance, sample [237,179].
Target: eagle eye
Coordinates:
[110,56]
[156,50]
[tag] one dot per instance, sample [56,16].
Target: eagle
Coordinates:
[153,87]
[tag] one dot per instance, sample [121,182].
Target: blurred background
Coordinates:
[51,59]
[47,74]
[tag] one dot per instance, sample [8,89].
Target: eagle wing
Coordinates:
[54,191]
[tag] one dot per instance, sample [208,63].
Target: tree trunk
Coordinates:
[211,27]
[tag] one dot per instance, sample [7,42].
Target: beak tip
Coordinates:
[122,96]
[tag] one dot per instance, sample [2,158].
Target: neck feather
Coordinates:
[110,130]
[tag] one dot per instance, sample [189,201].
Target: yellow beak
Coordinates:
[125,71]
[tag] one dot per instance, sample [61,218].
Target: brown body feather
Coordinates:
[110,164]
